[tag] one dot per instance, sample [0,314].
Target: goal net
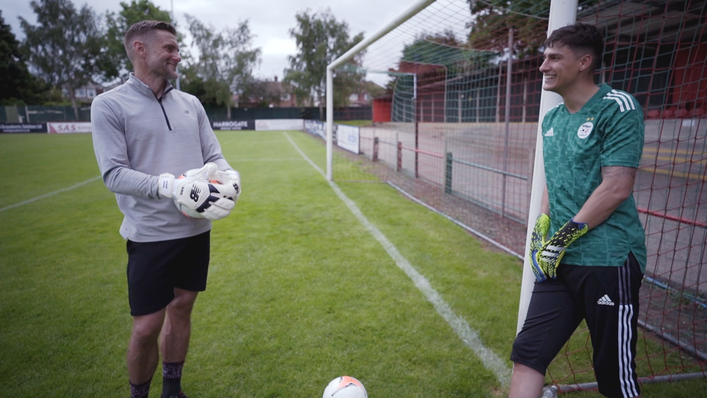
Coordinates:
[456,126]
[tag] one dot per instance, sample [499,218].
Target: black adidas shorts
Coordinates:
[607,297]
[156,268]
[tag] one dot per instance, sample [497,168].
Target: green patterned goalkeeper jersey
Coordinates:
[607,131]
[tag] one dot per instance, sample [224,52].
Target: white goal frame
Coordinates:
[407,14]
[562,13]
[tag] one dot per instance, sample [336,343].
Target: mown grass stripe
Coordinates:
[461,327]
[49,194]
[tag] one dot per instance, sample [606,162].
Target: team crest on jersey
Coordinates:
[585,130]
[550,132]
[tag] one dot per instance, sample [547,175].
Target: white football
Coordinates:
[187,211]
[345,387]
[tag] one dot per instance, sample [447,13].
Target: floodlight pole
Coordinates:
[176,68]
[407,14]
[562,13]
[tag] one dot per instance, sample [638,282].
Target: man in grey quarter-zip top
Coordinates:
[144,134]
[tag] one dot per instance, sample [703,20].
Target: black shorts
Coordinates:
[156,268]
[607,298]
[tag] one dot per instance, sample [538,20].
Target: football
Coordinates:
[345,387]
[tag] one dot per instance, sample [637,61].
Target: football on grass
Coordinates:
[345,387]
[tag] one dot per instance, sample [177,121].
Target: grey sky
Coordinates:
[270,20]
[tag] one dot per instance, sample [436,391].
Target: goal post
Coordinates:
[412,10]
[456,125]
[562,13]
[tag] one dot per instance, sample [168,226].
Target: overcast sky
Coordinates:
[270,20]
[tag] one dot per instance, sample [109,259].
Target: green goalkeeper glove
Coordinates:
[537,241]
[554,249]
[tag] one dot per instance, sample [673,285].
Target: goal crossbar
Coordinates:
[407,14]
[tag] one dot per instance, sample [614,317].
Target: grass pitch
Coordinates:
[299,291]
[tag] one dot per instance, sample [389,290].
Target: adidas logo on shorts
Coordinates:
[605,300]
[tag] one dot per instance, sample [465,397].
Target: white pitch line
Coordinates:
[461,327]
[49,194]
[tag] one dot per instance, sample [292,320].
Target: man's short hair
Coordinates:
[144,28]
[581,39]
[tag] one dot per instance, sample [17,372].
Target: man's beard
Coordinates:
[170,74]
[165,72]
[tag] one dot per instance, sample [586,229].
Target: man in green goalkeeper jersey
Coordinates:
[588,246]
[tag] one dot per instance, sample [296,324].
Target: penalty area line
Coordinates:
[49,194]
[469,336]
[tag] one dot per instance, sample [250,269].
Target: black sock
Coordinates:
[140,390]
[171,378]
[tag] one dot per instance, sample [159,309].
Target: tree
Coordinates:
[226,61]
[320,39]
[17,85]
[64,47]
[493,19]
[348,78]
[429,52]
[114,60]
[261,93]
[437,49]
[193,84]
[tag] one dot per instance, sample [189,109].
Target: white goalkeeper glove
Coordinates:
[229,177]
[196,195]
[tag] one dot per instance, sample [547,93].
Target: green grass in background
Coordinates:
[355,122]
[299,291]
